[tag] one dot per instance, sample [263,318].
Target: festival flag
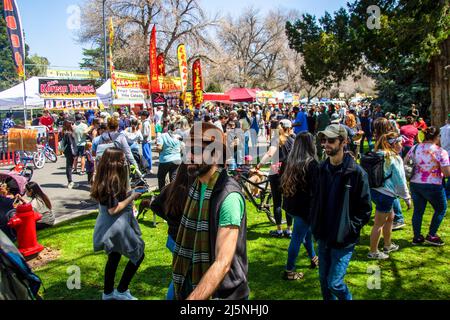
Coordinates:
[184,72]
[15,34]
[160,60]
[197,83]
[154,83]
[111,62]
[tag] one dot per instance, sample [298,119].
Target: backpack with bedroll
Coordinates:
[17,281]
[373,164]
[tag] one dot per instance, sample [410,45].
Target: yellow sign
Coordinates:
[170,84]
[73,74]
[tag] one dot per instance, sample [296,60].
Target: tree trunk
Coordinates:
[440,85]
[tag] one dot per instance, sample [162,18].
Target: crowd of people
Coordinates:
[318,172]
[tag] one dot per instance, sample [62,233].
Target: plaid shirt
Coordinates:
[7,124]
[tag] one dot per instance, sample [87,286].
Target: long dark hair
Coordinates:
[302,154]
[178,191]
[431,133]
[111,179]
[37,193]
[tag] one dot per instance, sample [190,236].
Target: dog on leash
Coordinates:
[255,177]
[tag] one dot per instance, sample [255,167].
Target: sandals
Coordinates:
[314,262]
[292,275]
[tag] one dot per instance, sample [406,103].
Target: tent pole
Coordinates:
[24,102]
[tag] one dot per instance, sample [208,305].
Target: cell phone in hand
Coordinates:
[141,190]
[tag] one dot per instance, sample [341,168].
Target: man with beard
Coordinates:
[341,208]
[210,256]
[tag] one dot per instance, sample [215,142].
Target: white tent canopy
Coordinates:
[13,98]
[104,93]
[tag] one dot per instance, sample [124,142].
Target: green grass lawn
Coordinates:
[412,273]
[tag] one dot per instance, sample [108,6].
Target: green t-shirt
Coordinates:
[231,211]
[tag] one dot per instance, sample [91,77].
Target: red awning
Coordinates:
[242,94]
[217,97]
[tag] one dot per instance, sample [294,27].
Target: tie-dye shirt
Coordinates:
[429,158]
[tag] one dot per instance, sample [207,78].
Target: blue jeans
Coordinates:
[300,234]
[421,195]
[332,269]
[447,189]
[398,218]
[170,244]
[147,153]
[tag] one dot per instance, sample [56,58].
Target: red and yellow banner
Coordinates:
[182,63]
[154,83]
[197,83]
[111,43]
[15,34]
[130,86]
[169,84]
[161,65]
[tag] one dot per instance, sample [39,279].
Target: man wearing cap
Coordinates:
[210,255]
[341,208]
[445,144]
[301,121]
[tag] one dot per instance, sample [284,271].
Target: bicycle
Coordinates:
[24,171]
[49,153]
[263,203]
[25,157]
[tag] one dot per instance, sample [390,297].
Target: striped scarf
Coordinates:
[192,249]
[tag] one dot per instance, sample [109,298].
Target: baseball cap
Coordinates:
[285,123]
[334,131]
[335,119]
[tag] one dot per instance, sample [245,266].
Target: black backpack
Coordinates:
[373,164]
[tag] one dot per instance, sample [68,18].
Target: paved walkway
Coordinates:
[69,204]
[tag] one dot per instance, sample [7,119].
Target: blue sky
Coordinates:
[47,33]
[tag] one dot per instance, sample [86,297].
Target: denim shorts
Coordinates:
[80,151]
[384,203]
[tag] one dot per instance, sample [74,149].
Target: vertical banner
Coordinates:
[15,35]
[184,72]
[197,83]
[161,65]
[111,62]
[154,83]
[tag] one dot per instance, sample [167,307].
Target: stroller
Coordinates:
[15,182]
[17,281]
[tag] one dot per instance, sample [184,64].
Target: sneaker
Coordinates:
[70,185]
[435,241]
[110,296]
[82,173]
[287,234]
[418,240]
[398,225]
[393,247]
[276,234]
[378,255]
[124,296]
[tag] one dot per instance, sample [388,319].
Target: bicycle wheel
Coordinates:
[51,155]
[28,173]
[39,159]
[267,208]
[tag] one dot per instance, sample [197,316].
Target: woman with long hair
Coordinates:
[41,203]
[299,184]
[169,205]
[431,166]
[280,148]
[69,150]
[395,185]
[116,230]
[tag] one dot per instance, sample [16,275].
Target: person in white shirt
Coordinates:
[445,144]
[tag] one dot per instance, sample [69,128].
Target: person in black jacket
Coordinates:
[341,208]
[298,183]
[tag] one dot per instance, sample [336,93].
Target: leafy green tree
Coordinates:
[408,52]
[93,60]
[214,87]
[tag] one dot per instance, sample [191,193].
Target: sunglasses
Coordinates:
[329,140]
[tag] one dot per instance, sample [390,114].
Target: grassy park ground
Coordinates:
[414,272]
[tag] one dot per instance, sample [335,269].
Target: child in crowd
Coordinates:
[116,230]
[90,162]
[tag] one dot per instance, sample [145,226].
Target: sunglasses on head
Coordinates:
[329,140]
